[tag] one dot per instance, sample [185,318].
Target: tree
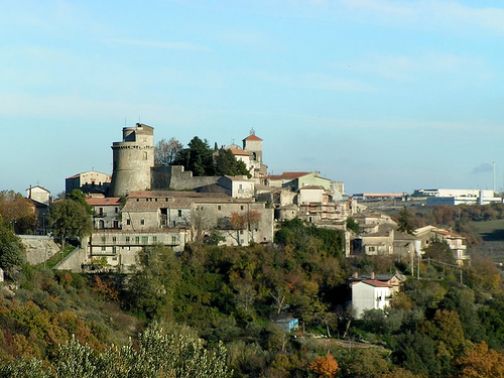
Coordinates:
[352,225]
[11,249]
[151,289]
[78,196]
[440,251]
[17,211]
[69,218]
[166,151]
[479,361]
[226,164]
[405,221]
[198,158]
[326,366]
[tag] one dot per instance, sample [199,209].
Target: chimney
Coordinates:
[29,193]
[356,275]
[373,276]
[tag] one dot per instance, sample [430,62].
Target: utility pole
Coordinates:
[413,264]
[493,166]
[418,267]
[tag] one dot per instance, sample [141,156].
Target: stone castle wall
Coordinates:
[176,178]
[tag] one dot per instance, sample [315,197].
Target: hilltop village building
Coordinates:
[91,182]
[168,206]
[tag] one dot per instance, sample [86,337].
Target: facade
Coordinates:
[106,212]
[457,243]
[88,182]
[118,250]
[38,194]
[297,180]
[242,155]
[238,186]
[133,159]
[201,213]
[370,294]
[253,145]
[380,243]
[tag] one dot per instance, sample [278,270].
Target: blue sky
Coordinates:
[384,95]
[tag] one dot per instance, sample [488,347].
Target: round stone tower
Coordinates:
[133,160]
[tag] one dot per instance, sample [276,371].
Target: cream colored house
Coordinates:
[38,194]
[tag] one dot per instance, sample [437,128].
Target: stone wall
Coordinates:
[39,248]
[177,178]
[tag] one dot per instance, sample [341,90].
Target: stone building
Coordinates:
[172,219]
[133,159]
[91,182]
[106,212]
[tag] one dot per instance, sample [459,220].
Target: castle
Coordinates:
[134,168]
[150,205]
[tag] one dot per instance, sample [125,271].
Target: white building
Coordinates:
[453,197]
[238,186]
[370,294]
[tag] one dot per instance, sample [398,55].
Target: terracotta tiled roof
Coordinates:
[109,201]
[377,283]
[253,137]
[239,151]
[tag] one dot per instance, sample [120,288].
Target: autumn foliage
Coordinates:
[325,366]
[481,362]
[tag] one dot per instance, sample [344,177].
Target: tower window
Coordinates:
[145,155]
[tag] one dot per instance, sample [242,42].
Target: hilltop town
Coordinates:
[286,264]
[143,204]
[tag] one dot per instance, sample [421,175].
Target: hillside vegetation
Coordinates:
[211,311]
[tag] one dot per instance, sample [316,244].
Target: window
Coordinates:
[174,239]
[180,213]
[117,210]
[127,239]
[219,207]
[145,240]
[114,239]
[100,210]
[103,248]
[241,207]
[128,222]
[154,239]
[103,239]
[137,239]
[142,222]
[145,155]
[114,250]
